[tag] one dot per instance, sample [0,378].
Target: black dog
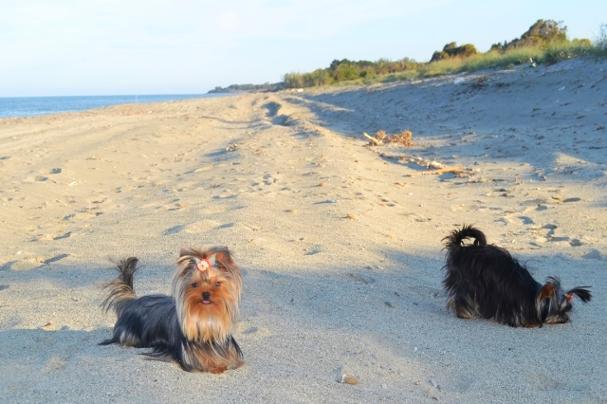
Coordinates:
[486,281]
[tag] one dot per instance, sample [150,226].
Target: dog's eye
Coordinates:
[217,284]
[194,285]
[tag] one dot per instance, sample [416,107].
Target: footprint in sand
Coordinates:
[50,236]
[197,227]
[550,234]
[502,220]
[313,250]
[593,254]
[272,109]
[526,220]
[32,262]
[252,331]
[55,258]
[172,208]
[173,230]
[550,227]
[225,195]
[268,179]
[358,277]
[62,236]
[100,200]
[80,216]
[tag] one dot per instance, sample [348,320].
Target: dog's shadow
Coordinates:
[45,350]
[67,365]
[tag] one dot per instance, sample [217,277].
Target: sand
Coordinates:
[340,242]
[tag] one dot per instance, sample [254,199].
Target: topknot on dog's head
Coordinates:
[218,257]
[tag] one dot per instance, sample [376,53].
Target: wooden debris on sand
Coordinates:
[404,138]
[434,167]
[431,167]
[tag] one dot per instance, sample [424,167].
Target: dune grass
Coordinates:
[492,59]
[546,54]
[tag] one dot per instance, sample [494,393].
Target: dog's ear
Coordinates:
[580,291]
[183,261]
[187,256]
[222,259]
[544,300]
[186,251]
[547,291]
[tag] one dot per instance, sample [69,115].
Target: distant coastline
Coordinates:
[12,107]
[247,88]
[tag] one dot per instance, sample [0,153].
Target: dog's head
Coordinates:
[206,289]
[553,304]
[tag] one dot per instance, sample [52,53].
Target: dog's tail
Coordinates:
[121,289]
[455,239]
[580,291]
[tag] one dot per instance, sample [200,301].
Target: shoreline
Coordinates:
[86,103]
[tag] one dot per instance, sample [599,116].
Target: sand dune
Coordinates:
[340,242]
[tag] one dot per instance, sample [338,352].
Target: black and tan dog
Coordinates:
[194,325]
[485,281]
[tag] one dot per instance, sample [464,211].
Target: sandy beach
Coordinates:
[339,241]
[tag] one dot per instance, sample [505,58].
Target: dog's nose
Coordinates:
[206,295]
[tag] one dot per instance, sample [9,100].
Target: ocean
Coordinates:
[31,106]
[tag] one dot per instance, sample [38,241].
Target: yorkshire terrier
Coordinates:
[194,325]
[485,281]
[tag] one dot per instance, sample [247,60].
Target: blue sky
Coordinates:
[82,47]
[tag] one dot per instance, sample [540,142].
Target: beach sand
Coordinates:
[340,243]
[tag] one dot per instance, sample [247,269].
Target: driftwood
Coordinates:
[455,170]
[430,167]
[404,138]
[372,140]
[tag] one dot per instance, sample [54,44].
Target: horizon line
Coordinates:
[104,95]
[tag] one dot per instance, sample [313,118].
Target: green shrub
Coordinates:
[544,42]
[451,50]
[541,33]
[293,80]
[345,71]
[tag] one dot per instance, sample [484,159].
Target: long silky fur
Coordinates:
[154,321]
[582,292]
[121,289]
[188,354]
[456,238]
[186,265]
[485,281]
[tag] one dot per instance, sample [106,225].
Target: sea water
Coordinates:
[31,106]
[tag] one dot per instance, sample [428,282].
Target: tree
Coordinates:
[452,50]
